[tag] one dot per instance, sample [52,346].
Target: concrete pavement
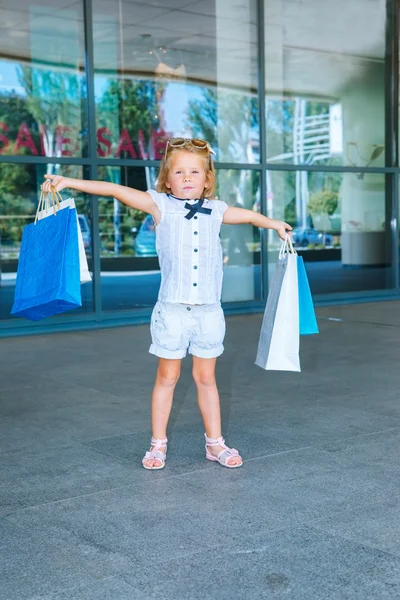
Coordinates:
[313,513]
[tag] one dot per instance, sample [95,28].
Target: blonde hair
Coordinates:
[209,190]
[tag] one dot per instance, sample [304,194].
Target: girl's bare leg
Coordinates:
[168,372]
[208,399]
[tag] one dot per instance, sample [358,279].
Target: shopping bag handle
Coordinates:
[56,197]
[45,203]
[287,247]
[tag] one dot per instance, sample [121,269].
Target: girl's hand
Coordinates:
[282,229]
[58,182]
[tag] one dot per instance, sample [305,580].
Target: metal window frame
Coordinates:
[100,319]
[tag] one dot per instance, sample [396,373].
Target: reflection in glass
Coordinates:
[240,243]
[19,196]
[130,275]
[43,90]
[339,226]
[162,72]
[118,223]
[325,82]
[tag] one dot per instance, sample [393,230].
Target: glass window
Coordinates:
[325,82]
[241,244]
[130,275]
[42,86]
[19,195]
[176,70]
[340,226]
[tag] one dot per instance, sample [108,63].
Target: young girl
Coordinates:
[188,314]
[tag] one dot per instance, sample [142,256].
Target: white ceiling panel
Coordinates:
[173,4]
[13,19]
[130,12]
[356,27]
[184,22]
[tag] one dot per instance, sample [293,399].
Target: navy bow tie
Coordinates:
[195,208]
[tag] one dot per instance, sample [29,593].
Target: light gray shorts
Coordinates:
[177,328]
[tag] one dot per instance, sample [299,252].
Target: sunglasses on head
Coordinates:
[179,142]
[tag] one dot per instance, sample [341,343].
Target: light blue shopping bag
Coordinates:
[307,319]
[48,276]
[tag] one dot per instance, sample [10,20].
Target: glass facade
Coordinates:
[325,82]
[299,100]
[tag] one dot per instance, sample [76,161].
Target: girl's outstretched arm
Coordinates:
[235,216]
[126,195]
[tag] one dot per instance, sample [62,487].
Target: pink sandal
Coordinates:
[224,455]
[156,453]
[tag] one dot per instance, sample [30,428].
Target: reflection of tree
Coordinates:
[321,206]
[225,119]
[54,101]
[14,111]
[290,213]
[280,120]
[202,117]
[107,229]
[15,185]
[323,202]
[127,217]
[132,106]
[129,112]
[16,182]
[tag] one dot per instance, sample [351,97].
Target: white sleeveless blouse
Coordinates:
[189,250]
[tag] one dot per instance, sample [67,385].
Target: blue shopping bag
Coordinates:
[48,276]
[308,321]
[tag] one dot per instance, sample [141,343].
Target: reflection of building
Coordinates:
[94,88]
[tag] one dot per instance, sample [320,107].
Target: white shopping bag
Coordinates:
[50,208]
[280,334]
